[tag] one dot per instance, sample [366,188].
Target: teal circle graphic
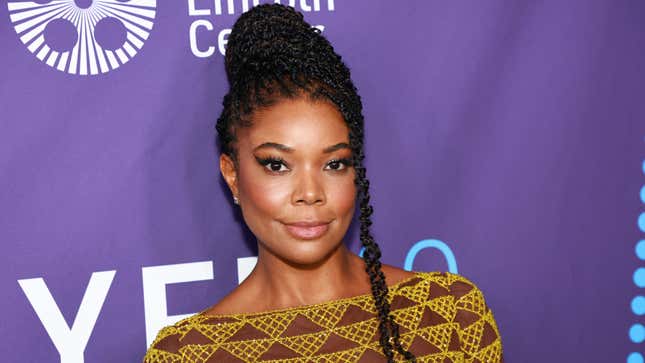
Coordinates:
[637,333]
[634,358]
[639,277]
[638,305]
[640,249]
[641,222]
[643,166]
[431,243]
[643,194]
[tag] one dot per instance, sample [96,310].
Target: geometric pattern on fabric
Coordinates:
[443,317]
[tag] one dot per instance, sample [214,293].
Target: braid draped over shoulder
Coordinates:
[273,53]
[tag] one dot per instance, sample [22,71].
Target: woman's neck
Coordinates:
[281,284]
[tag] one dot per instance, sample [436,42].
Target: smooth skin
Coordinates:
[304,180]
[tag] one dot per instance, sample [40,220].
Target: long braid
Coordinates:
[272,52]
[388,328]
[372,257]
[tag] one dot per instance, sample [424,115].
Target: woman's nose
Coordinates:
[308,188]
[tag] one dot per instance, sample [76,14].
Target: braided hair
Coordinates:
[273,53]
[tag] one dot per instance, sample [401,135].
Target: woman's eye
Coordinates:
[276,165]
[337,164]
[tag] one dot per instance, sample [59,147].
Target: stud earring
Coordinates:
[235,200]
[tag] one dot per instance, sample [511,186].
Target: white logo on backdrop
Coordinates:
[85,37]
[205,33]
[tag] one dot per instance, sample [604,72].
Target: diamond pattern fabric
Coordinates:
[443,318]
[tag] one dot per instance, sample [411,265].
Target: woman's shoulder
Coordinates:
[165,347]
[195,330]
[460,301]
[443,287]
[454,283]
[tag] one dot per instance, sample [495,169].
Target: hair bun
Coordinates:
[269,37]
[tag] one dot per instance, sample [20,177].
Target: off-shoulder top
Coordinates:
[443,317]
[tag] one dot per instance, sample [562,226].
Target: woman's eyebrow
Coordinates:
[285,148]
[274,145]
[340,145]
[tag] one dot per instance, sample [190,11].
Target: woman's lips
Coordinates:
[307,230]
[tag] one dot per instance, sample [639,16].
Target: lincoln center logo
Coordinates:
[85,37]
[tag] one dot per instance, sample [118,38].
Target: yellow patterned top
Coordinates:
[443,317]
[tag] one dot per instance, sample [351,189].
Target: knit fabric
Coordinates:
[443,317]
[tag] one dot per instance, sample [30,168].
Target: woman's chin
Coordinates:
[306,254]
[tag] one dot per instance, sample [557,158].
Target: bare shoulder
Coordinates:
[236,301]
[394,274]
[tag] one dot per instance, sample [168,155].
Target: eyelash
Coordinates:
[266,161]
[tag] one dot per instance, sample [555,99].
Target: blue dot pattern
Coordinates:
[638,305]
[640,249]
[634,358]
[637,331]
[639,277]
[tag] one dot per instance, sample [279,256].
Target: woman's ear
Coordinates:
[227,167]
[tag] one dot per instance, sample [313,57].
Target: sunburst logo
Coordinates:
[85,37]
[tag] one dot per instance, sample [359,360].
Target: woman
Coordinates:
[291,138]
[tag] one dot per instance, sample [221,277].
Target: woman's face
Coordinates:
[294,179]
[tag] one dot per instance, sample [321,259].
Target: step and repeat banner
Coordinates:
[505,142]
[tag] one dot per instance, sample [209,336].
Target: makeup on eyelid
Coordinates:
[345,162]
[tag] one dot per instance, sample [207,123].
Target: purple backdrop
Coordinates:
[512,132]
